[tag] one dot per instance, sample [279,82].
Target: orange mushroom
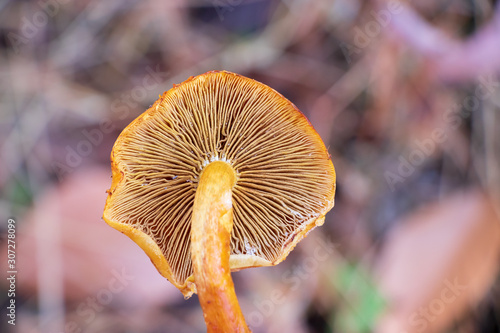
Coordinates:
[221,173]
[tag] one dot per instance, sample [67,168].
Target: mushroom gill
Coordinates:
[285,178]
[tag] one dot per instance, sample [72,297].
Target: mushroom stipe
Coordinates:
[221,173]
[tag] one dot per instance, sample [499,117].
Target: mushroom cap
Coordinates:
[285,178]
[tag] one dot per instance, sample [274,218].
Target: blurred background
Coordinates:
[406,95]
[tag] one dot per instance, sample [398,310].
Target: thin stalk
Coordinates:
[210,249]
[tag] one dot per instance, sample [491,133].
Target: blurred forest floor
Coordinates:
[405,95]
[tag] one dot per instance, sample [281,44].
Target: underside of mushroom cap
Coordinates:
[285,178]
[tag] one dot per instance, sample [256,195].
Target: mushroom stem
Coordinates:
[210,249]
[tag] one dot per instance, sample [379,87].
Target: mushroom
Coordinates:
[221,173]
